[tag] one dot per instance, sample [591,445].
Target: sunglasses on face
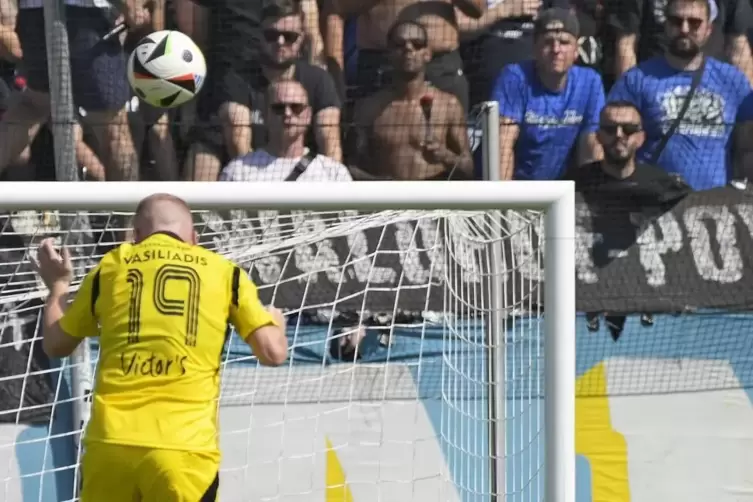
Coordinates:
[415,43]
[273,36]
[295,108]
[677,21]
[628,129]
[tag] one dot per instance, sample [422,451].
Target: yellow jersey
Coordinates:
[161,310]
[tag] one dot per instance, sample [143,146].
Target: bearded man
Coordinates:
[693,106]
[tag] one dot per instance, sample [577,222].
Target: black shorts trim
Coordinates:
[211,494]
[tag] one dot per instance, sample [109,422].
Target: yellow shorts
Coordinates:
[117,473]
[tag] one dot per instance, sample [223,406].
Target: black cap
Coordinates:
[557,19]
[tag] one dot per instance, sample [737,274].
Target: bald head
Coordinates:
[163,212]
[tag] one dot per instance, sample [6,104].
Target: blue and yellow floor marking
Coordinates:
[604,449]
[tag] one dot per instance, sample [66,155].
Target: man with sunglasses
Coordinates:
[549,108]
[242,96]
[618,187]
[374,17]
[285,156]
[691,137]
[641,25]
[620,135]
[410,130]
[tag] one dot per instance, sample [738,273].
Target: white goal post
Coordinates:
[465,207]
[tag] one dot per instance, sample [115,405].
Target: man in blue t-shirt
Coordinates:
[700,149]
[549,108]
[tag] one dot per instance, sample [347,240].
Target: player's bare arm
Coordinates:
[269,343]
[262,328]
[56,270]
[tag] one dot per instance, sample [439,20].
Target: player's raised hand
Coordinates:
[55,268]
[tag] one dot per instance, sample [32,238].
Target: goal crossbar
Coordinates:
[556,199]
[365,195]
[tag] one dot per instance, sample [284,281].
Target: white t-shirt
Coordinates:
[260,165]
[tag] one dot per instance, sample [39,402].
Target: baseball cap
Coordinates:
[557,19]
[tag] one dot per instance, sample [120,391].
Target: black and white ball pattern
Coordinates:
[166,69]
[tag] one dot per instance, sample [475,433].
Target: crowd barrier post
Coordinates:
[62,110]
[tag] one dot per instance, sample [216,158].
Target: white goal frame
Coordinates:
[555,198]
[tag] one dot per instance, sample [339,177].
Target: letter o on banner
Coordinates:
[709,267]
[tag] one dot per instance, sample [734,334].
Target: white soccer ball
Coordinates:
[166,69]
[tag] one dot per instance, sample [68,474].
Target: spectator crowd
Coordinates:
[645,91]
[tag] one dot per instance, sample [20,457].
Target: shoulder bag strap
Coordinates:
[697,75]
[299,168]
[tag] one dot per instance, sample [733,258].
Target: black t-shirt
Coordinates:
[618,207]
[234,32]
[316,81]
[648,184]
[645,18]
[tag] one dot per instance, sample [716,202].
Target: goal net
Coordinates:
[416,368]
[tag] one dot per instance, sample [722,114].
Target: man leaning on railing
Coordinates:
[620,188]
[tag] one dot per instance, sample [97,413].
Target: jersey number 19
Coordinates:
[184,307]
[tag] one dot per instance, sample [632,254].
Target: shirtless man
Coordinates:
[410,130]
[439,17]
